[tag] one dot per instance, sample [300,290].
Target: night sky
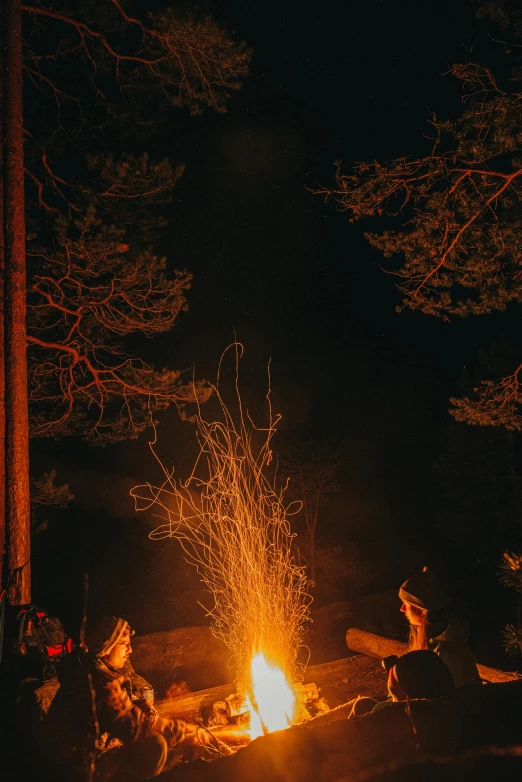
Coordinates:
[288,275]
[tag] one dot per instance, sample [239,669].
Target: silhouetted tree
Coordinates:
[45,492]
[93,280]
[458,210]
[479,485]
[511,576]
[507,14]
[312,474]
[459,238]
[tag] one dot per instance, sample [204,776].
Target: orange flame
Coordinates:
[273,704]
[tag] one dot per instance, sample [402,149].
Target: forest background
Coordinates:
[298,285]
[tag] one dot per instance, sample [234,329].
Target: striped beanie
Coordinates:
[102,635]
[423,591]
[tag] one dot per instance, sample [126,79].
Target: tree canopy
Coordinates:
[84,88]
[100,81]
[456,220]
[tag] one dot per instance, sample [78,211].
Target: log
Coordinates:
[189,654]
[307,692]
[373,645]
[231,734]
[190,706]
[338,681]
[236,704]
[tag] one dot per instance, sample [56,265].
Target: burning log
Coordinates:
[338,681]
[237,704]
[231,734]
[219,714]
[378,646]
[191,707]
[231,519]
[307,693]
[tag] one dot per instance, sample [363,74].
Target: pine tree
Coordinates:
[458,211]
[95,78]
[458,235]
[310,474]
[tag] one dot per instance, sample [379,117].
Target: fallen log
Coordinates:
[190,706]
[377,646]
[189,654]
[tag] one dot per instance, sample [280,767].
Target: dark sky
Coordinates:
[285,272]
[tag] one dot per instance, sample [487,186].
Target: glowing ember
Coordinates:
[273,697]
[233,523]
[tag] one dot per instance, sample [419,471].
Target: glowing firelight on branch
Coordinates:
[273,704]
[231,521]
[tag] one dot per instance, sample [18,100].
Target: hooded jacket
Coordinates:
[424,591]
[120,717]
[452,646]
[72,724]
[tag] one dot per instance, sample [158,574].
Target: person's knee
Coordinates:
[154,754]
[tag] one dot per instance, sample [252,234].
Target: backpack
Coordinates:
[43,638]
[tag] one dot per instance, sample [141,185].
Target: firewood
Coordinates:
[321,705]
[190,706]
[235,704]
[218,715]
[231,734]
[307,692]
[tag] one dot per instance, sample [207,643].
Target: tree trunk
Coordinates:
[16,401]
[2,351]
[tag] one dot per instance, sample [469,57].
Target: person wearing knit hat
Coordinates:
[103,635]
[133,742]
[423,591]
[426,606]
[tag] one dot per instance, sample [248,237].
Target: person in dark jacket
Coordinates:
[421,674]
[418,675]
[432,626]
[100,695]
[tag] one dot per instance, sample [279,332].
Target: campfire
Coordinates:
[232,522]
[272,702]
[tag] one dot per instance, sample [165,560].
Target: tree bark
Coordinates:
[16,400]
[2,351]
